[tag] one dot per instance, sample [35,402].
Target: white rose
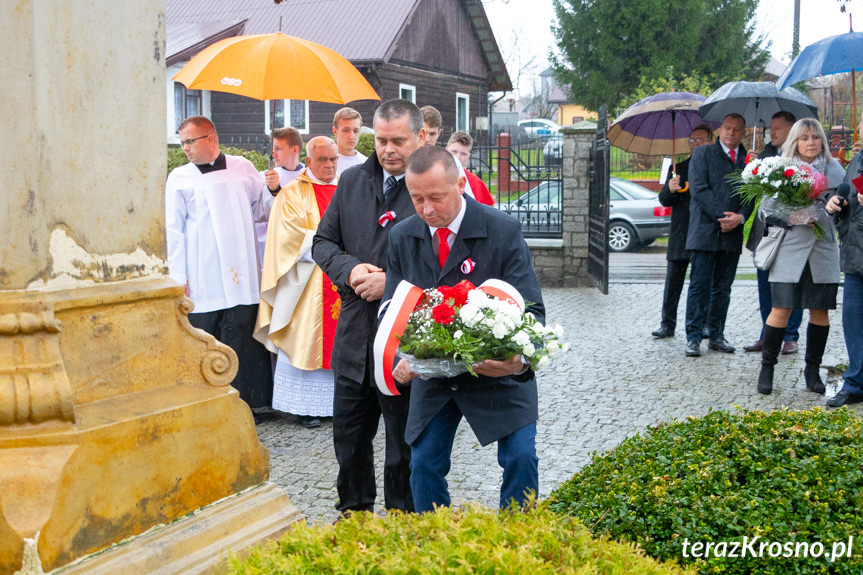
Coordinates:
[558,331]
[528,349]
[543,361]
[521,338]
[478,298]
[458,333]
[469,314]
[499,330]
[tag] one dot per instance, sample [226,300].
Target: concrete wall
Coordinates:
[82,194]
[563,263]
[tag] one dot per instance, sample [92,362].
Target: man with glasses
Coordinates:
[211,205]
[299,305]
[675,194]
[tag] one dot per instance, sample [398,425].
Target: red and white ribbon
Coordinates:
[503,291]
[467,266]
[390,329]
[386,218]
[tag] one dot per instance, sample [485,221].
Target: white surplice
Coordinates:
[209,221]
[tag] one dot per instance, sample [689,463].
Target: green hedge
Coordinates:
[786,476]
[177,158]
[470,540]
[366,144]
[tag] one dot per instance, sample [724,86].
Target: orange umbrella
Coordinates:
[276,67]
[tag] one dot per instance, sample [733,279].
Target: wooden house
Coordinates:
[433,52]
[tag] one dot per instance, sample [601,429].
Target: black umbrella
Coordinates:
[756,102]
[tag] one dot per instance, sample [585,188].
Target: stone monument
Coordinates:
[116,416]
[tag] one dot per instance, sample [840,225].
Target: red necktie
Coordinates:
[731,155]
[443,248]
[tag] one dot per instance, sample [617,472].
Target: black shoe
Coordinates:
[309,421]
[789,347]
[765,379]
[693,348]
[844,397]
[720,344]
[813,379]
[663,332]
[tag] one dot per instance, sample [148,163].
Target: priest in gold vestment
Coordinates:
[299,306]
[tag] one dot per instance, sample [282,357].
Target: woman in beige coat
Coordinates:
[805,273]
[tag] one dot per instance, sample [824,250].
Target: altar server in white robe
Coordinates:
[211,205]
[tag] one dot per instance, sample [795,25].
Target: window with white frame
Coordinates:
[289,114]
[462,112]
[408,92]
[183,103]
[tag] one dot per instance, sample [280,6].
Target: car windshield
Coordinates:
[633,190]
[542,194]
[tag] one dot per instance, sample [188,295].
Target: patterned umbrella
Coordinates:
[658,125]
[833,55]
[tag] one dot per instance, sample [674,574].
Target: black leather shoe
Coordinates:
[789,347]
[844,397]
[720,344]
[693,348]
[662,333]
[309,421]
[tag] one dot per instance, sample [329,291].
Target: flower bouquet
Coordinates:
[786,190]
[452,328]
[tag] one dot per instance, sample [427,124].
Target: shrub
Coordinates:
[470,540]
[366,144]
[177,158]
[786,476]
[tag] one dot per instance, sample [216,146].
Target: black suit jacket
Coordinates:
[349,234]
[679,204]
[712,195]
[494,407]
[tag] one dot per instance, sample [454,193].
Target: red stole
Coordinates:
[332,305]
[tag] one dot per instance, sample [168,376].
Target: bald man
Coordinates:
[299,304]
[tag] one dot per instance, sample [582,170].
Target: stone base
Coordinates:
[197,543]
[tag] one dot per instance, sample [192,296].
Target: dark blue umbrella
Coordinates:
[833,55]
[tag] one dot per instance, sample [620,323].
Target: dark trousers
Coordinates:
[357,409]
[431,456]
[765,304]
[675,274]
[710,279]
[852,328]
[234,327]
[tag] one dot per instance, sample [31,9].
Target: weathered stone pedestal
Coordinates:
[117,416]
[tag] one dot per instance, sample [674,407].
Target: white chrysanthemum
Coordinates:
[543,361]
[458,333]
[777,184]
[528,349]
[500,330]
[469,313]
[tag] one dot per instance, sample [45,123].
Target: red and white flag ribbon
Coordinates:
[386,218]
[503,291]
[390,329]
[467,266]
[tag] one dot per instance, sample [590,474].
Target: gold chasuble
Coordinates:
[299,305]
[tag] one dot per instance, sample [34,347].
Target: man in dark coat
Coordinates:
[780,125]
[715,236]
[351,248]
[501,404]
[675,195]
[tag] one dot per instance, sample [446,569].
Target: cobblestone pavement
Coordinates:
[614,383]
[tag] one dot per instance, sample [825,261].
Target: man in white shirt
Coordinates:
[211,205]
[432,122]
[346,128]
[287,145]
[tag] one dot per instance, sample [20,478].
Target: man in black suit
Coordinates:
[715,236]
[675,194]
[501,404]
[351,248]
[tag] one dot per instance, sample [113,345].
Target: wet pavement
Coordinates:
[614,382]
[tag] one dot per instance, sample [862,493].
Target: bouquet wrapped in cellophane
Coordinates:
[786,190]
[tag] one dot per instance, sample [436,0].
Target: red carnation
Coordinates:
[789,172]
[755,171]
[749,159]
[443,314]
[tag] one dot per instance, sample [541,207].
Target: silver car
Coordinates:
[538,209]
[635,216]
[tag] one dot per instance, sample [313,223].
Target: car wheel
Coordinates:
[621,237]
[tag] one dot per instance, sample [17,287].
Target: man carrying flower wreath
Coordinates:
[500,405]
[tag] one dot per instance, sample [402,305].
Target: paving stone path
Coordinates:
[613,383]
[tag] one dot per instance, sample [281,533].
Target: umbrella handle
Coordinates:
[684,188]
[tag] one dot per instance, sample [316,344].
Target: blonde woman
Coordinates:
[805,273]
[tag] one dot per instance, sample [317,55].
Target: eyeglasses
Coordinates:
[696,140]
[191,141]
